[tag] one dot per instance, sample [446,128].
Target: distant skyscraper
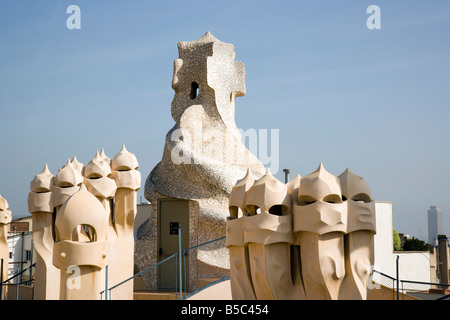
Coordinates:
[434,224]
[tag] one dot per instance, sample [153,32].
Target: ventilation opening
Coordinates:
[194,90]
[305,200]
[65,185]
[113,210]
[278,210]
[95,176]
[124,167]
[362,197]
[84,233]
[55,234]
[234,212]
[252,210]
[332,198]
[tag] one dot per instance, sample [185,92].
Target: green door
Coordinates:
[172,213]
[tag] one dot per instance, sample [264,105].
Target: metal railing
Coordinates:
[424,290]
[179,278]
[139,284]
[382,286]
[177,275]
[385,287]
[20,286]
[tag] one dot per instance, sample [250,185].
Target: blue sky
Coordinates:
[374,101]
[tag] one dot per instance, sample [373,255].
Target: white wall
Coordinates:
[413,266]
[15,241]
[384,259]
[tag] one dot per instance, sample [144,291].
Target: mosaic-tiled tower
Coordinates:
[203,154]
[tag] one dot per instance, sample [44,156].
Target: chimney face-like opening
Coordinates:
[84,233]
[252,210]
[278,210]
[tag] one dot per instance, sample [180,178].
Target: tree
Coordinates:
[397,242]
[415,244]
